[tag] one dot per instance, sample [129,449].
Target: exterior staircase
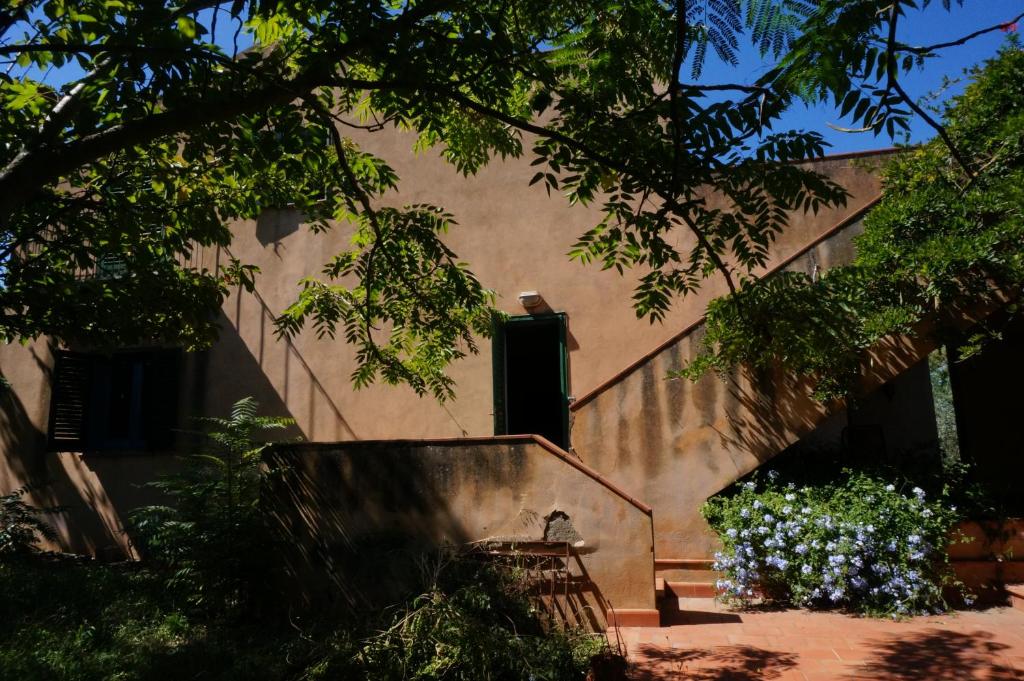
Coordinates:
[727,427]
[685,591]
[686,577]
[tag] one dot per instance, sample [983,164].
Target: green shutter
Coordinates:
[498,372]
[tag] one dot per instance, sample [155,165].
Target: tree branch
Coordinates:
[718,87]
[959,41]
[938,127]
[673,90]
[93,49]
[22,177]
[893,84]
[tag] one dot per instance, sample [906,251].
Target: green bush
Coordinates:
[858,543]
[211,540]
[476,621]
[189,609]
[83,621]
[21,526]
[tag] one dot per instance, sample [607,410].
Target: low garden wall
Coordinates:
[360,516]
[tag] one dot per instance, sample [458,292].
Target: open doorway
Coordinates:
[530,381]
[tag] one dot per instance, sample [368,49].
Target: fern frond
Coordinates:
[244,410]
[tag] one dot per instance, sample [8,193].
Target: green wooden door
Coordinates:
[531,378]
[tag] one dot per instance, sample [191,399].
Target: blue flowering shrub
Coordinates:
[858,543]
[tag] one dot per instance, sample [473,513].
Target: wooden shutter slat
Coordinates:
[69,401]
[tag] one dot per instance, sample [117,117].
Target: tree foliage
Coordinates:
[944,238]
[161,131]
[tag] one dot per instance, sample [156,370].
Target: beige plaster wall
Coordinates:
[515,238]
[674,443]
[347,505]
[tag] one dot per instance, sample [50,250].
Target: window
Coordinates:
[126,400]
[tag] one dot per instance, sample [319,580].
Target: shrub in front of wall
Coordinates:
[861,543]
[475,620]
[211,541]
[22,525]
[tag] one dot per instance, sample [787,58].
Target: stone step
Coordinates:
[687,611]
[690,576]
[686,569]
[690,589]
[662,564]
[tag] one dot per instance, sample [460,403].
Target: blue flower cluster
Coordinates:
[861,545]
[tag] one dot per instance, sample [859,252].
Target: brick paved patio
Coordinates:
[711,643]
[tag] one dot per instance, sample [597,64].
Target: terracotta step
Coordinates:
[661,564]
[659,587]
[686,569]
[691,589]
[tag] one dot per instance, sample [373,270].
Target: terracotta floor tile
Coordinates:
[817,654]
[784,645]
[853,655]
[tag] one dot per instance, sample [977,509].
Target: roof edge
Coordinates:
[633,366]
[840,155]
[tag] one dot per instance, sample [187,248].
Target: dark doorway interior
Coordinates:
[535,392]
[987,399]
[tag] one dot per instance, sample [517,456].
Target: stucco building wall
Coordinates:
[514,237]
[675,442]
[345,507]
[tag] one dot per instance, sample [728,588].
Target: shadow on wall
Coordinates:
[249,359]
[231,372]
[274,225]
[90,521]
[777,409]
[355,519]
[940,655]
[21,441]
[735,663]
[783,410]
[99,489]
[352,535]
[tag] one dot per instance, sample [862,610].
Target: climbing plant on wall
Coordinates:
[945,237]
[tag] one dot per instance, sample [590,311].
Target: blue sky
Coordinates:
[926,27]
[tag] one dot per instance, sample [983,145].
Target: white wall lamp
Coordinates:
[529,299]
